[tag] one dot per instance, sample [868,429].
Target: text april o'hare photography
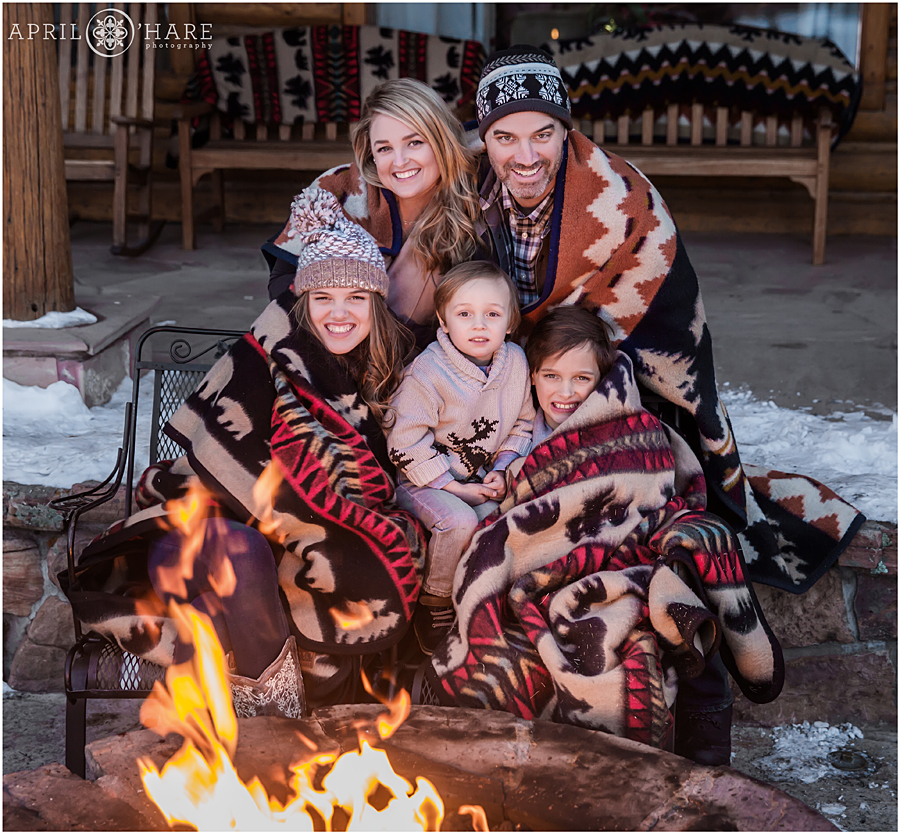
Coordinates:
[111,32]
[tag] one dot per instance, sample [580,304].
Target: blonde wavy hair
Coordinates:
[445,233]
[377,362]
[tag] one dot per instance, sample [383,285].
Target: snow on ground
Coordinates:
[800,752]
[853,454]
[50,437]
[54,320]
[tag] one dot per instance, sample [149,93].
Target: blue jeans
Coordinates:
[250,620]
[452,523]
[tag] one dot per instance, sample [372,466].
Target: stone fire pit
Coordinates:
[526,775]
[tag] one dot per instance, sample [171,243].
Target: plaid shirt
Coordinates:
[522,238]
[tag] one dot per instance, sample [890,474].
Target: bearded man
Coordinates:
[574,224]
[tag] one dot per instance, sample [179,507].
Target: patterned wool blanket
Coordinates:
[324,73]
[614,248]
[571,602]
[278,436]
[738,67]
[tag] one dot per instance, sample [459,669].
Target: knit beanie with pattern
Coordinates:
[520,78]
[337,252]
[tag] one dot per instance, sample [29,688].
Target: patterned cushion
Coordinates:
[323,73]
[770,72]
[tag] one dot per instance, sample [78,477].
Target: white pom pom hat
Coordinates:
[337,252]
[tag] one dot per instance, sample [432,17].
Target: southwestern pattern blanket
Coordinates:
[601,580]
[277,406]
[615,249]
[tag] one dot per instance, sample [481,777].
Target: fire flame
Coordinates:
[199,786]
[357,615]
[263,492]
[188,515]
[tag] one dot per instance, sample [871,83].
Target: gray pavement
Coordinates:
[800,334]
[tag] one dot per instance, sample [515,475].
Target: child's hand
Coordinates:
[496,481]
[472,494]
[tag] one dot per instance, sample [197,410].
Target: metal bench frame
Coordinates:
[95,667]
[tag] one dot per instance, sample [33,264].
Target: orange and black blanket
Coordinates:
[277,436]
[601,581]
[614,249]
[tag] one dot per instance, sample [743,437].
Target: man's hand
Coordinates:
[496,480]
[472,494]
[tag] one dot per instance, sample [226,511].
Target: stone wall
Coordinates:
[839,639]
[37,619]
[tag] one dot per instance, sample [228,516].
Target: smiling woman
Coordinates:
[341,318]
[412,188]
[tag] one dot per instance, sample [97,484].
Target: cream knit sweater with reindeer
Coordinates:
[450,417]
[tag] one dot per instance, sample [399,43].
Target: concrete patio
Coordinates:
[779,325]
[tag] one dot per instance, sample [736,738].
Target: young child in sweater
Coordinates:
[462,413]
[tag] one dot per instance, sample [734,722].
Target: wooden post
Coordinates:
[37,256]
[873,49]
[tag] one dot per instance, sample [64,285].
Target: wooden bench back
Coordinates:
[95,89]
[257,132]
[700,125]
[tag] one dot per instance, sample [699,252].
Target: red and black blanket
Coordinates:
[601,580]
[276,435]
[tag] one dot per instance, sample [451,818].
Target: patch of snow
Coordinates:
[55,320]
[8,690]
[833,809]
[800,752]
[51,438]
[850,452]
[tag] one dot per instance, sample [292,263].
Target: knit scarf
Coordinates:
[571,602]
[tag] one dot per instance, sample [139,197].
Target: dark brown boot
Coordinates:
[704,737]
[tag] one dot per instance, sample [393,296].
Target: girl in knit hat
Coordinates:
[341,285]
[299,544]
[463,413]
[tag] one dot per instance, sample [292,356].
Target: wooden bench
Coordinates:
[715,101]
[107,108]
[274,116]
[310,147]
[724,143]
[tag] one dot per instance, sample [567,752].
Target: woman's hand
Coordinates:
[472,494]
[496,480]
